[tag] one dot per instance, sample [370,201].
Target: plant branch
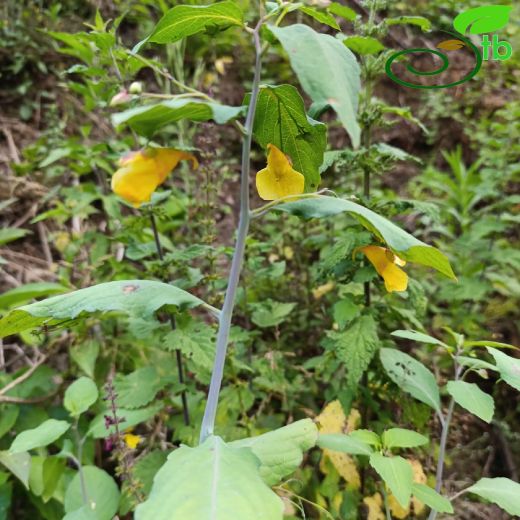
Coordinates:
[208,422]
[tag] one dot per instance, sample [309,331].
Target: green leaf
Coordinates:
[476,364]
[45,434]
[343,11]
[327,71]
[270,313]
[366,436]
[19,464]
[221,481]
[130,418]
[320,16]
[138,388]
[345,311]
[135,297]
[185,20]
[363,45]
[355,347]
[420,21]
[280,119]
[8,415]
[415,335]
[399,241]
[501,491]
[148,119]
[80,396]
[509,367]
[431,498]
[472,398]
[281,451]
[84,513]
[411,376]
[102,492]
[483,19]
[403,438]
[85,356]
[397,474]
[344,443]
[11,234]
[28,292]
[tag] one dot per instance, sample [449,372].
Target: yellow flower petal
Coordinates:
[278,179]
[387,265]
[140,173]
[132,440]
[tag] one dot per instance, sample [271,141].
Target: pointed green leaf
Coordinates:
[420,21]
[431,498]
[148,119]
[483,19]
[343,11]
[280,119]
[501,491]
[366,436]
[363,45]
[411,376]
[45,434]
[80,396]
[415,335]
[138,388]
[403,438]
[136,297]
[327,71]
[320,16]
[281,451]
[399,241]
[397,474]
[213,481]
[344,443]
[29,291]
[509,367]
[19,464]
[472,398]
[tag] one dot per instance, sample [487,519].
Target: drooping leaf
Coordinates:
[19,464]
[148,119]
[327,71]
[415,335]
[403,438]
[280,119]
[29,291]
[483,19]
[399,241]
[344,443]
[135,297]
[420,21]
[221,481]
[185,20]
[342,10]
[411,376]
[431,498]
[355,347]
[320,16]
[102,493]
[397,474]
[501,491]
[138,388]
[363,45]
[281,451]
[509,367]
[80,396]
[45,434]
[472,398]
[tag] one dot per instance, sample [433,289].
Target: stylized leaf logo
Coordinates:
[451,45]
[484,19]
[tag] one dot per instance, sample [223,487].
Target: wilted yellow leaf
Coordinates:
[375,507]
[322,290]
[450,45]
[396,509]
[332,418]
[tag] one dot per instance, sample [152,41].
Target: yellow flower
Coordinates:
[279,179]
[387,265]
[141,172]
[132,440]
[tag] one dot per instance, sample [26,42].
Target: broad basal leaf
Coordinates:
[281,451]
[214,481]
[135,297]
[411,376]
[280,119]
[399,241]
[147,119]
[501,491]
[355,347]
[185,20]
[327,71]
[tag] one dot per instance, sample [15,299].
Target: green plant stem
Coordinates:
[80,442]
[208,421]
[178,353]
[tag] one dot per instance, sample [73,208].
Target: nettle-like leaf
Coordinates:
[138,388]
[186,20]
[280,119]
[327,71]
[214,481]
[483,19]
[355,347]
[281,451]
[411,376]
[501,491]
[135,297]
[148,119]
[399,241]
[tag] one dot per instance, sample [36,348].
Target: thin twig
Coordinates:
[23,377]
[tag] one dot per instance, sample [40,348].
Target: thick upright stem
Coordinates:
[208,422]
